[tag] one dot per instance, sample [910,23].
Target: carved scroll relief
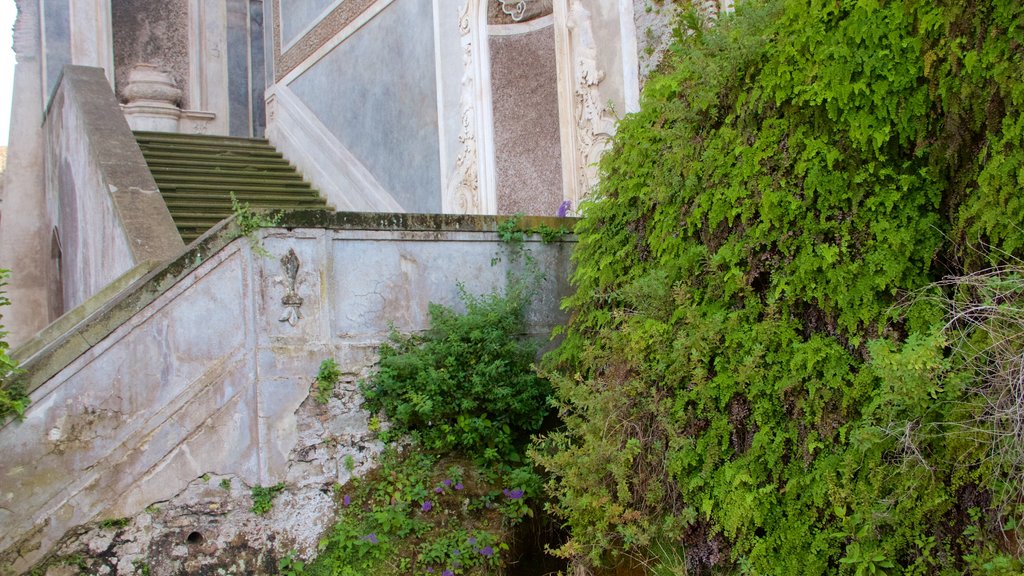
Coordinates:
[594,125]
[463,194]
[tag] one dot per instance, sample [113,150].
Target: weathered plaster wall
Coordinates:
[101,197]
[25,228]
[151,32]
[206,378]
[524,86]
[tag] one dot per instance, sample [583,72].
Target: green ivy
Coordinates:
[760,370]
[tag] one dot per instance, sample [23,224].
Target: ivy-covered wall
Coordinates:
[796,337]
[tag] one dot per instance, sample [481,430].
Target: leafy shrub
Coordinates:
[745,378]
[467,384]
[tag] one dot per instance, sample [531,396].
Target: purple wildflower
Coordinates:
[564,208]
[471,540]
[427,505]
[372,538]
[346,500]
[456,552]
[430,569]
[438,490]
[487,551]
[458,486]
[513,494]
[447,573]
[447,482]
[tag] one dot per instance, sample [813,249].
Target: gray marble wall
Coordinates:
[57,41]
[376,92]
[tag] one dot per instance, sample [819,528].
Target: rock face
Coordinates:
[210,527]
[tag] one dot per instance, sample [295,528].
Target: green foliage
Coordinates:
[466,384]
[114,523]
[291,566]
[13,400]
[416,514]
[744,376]
[249,222]
[225,483]
[326,379]
[263,497]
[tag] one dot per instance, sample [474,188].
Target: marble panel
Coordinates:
[524,84]
[376,93]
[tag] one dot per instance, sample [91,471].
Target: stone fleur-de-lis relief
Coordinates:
[291,300]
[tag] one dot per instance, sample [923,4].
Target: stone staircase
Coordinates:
[198,174]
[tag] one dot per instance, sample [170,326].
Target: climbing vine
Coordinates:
[761,374]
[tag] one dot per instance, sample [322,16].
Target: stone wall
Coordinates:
[101,196]
[160,411]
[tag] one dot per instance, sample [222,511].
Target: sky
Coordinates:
[7,13]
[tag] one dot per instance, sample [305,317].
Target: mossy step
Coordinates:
[217,170]
[215,151]
[233,162]
[284,180]
[241,167]
[175,137]
[214,187]
[178,197]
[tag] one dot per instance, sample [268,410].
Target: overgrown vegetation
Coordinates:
[249,222]
[765,372]
[263,497]
[461,401]
[13,400]
[327,377]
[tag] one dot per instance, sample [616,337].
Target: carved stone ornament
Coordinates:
[464,186]
[514,8]
[148,83]
[594,124]
[292,301]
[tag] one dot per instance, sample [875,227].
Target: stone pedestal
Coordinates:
[153,100]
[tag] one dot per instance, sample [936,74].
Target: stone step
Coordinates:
[182,198]
[198,175]
[303,189]
[172,138]
[242,165]
[201,153]
[284,180]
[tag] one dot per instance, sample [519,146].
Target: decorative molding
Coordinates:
[291,301]
[462,195]
[514,8]
[587,124]
[153,99]
[521,27]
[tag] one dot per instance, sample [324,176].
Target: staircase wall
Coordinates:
[101,198]
[201,367]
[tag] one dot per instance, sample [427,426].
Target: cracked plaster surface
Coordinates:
[209,527]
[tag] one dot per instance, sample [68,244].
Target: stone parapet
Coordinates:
[205,365]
